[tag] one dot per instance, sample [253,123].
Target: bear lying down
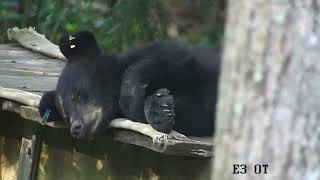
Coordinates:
[168,85]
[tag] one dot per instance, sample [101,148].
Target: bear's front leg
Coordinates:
[132,95]
[132,101]
[159,110]
[156,109]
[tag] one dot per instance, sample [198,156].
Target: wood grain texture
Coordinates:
[268,110]
[30,39]
[28,71]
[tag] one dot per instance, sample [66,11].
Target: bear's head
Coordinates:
[88,88]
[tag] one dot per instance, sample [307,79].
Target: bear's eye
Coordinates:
[73,97]
[75,94]
[84,95]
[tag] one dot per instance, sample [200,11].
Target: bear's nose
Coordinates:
[76,128]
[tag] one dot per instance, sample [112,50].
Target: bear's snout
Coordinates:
[77,129]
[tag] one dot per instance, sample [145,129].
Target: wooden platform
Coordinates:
[28,71]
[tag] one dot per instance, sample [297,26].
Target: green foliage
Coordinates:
[118,24]
[132,22]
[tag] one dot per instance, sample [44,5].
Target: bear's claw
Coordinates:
[162,139]
[159,110]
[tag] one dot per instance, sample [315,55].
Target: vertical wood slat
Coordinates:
[24,159]
[30,153]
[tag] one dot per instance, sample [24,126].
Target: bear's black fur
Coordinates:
[169,85]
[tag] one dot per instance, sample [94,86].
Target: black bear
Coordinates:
[169,85]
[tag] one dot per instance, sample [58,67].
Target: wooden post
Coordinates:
[30,153]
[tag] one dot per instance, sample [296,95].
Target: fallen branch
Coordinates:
[20,96]
[159,139]
[31,39]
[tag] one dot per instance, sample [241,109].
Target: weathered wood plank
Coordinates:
[26,70]
[24,166]
[13,46]
[34,61]
[19,96]
[29,83]
[17,54]
[18,68]
[188,147]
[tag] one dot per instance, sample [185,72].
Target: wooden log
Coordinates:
[34,41]
[23,97]
[173,143]
[185,147]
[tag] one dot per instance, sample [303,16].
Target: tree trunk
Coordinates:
[269,101]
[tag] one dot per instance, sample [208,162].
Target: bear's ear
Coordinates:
[48,102]
[81,45]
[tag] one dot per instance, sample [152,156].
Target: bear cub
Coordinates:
[169,85]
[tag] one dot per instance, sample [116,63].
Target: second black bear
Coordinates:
[168,85]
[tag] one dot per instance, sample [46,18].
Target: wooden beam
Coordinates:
[17,95]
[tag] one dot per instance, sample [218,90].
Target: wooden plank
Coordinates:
[29,83]
[27,72]
[16,47]
[32,67]
[36,152]
[27,67]
[24,166]
[34,62]
[29,157]
[17,54]
[188,147]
